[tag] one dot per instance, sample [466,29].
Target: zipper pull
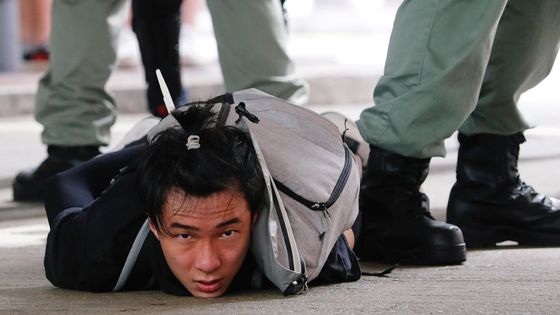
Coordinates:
[297,286]
[319,206]
[242,111]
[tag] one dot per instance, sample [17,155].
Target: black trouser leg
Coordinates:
[157,26]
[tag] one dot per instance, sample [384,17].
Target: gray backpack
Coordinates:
[312,181]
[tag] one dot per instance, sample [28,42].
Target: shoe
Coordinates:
[489,201]
[38,53]
[160,110]
[28,186]
[158,41]
[397,226]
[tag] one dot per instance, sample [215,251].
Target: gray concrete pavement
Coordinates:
[505,281]
[497,281]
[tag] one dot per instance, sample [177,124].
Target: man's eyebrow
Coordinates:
[228,222]
[194,228]
[183,226]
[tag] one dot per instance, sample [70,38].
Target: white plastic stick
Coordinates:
[165,91]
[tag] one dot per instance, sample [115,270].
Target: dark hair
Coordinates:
[225,160]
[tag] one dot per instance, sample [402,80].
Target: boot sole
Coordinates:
[483,236]
[432,255]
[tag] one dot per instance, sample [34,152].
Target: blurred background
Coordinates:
[338,46]
[349,36]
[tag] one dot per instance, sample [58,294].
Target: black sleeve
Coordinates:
[94,217]
[79,186]
[341,265]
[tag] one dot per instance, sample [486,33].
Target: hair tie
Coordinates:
[193,142]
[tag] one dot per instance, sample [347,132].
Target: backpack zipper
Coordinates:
[337,190]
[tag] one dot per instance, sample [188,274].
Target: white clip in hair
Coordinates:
[193,142]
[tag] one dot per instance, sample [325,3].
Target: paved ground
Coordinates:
[505,280]
[511,281]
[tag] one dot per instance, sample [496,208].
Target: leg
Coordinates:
[72,103]
[436,61]
[92,224]
[252,38]
[83,44]
[35,23]
[489,201]
[157,25]
[434,70]
[523,53]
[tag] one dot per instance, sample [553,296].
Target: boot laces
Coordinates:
[523,189]
[415,203]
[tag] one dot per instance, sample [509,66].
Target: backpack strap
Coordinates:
[132,255]
[226,100]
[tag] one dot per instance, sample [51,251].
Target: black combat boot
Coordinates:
[29,184]
[397,226]
[489,201]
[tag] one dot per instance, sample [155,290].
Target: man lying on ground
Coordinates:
[201,187]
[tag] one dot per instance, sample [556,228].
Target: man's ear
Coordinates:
[153,229]
[254,218]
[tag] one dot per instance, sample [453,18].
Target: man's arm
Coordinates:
[93,220]
[341,265]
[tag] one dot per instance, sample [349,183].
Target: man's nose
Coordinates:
[208,257]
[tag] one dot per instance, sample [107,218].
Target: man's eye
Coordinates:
[184,236]
[228,233]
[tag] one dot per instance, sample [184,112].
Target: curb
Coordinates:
[328,86]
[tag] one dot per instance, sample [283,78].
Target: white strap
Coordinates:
[167,99]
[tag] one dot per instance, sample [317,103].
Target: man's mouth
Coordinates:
[208,286]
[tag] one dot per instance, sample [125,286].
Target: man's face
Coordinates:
[208,239]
